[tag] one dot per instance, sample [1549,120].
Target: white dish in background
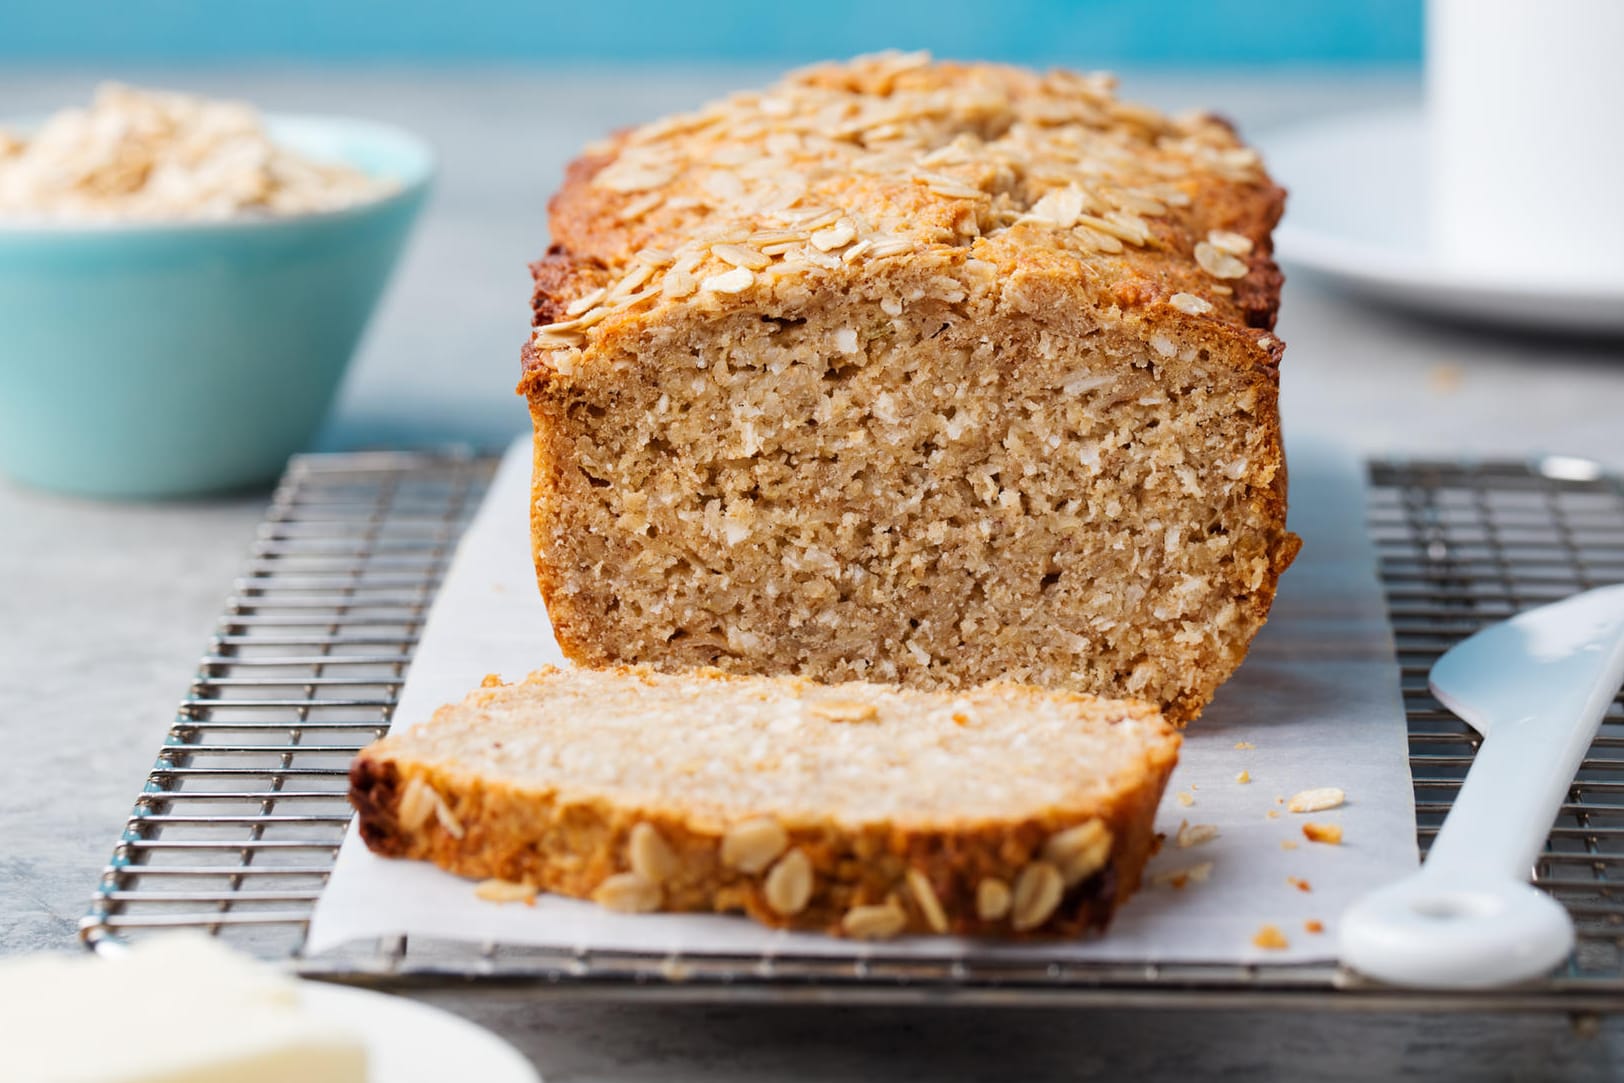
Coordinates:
[1357,214]
[408,1042]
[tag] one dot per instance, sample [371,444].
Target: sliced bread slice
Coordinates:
[857,809]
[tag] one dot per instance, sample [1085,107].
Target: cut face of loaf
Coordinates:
[996,400]
[855,809]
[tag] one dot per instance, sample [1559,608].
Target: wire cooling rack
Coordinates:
[240,819]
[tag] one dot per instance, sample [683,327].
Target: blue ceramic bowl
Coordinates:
[158,360]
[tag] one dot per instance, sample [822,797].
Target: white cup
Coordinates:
[1525,108]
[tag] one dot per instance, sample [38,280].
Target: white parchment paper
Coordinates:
[1317,700]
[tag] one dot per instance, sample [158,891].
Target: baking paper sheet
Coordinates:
[1317,701]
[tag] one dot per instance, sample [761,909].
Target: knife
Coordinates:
[1536,687]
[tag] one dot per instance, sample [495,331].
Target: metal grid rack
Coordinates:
[241,817]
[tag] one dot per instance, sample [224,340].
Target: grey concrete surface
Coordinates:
[104,607]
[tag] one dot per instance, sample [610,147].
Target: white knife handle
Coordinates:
[1468,918]
[1498,824]
[1431,932]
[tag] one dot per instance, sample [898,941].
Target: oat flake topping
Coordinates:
[151,155]
[886,156]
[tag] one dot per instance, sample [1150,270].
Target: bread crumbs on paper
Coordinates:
[1446,379]
[1186,799]
[1270,938]
[1288,844]
[1329,834]
[1244,777]
[1194,834]
[1245,746]
[1312,926]
[1274,814]
[1299,883]
[1317,800]
[505,891]
[1178,879]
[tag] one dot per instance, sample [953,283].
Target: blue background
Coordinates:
[1207,33]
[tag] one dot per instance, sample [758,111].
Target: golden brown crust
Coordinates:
[571,846]
[558,276]
[1163,186]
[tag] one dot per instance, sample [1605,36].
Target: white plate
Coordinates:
[408,1042]
[1357,214]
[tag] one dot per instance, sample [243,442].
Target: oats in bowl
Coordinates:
[150,155]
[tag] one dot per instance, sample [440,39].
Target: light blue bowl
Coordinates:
[159,360]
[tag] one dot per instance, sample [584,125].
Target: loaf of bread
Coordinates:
[919,372]
[855,809]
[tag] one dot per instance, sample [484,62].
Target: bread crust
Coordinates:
[571,844]
[592,237]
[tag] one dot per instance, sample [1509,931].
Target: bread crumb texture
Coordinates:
[1004,810]
[910,371]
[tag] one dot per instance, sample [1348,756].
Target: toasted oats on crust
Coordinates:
[789,884]
[874,922]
